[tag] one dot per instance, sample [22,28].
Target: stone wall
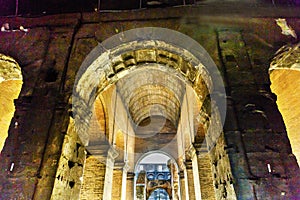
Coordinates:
[68,177]
[54,48]
[254,129]
[41,109]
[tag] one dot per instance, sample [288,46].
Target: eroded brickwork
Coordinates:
[222,175]
[93,179]
[70,167]
[206,175]
[46,155]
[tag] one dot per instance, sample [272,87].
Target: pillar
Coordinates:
[175,180]
[130,186]
[69,173]
[93,178]
[205,173]
[189,181]
[193,174]
[117,181]
[183,185]
[140,186]
[111,156]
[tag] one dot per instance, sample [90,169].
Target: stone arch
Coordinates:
[159,180]
[129,51]
[139,159]
[165,188]
[161,50]
[11,81]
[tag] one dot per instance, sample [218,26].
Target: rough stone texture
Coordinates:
[205,174]
[222,175]
[53,50]
[70,167]
[287,57]
[218,159]
[27,157]
[130,186]
[189,178]
[183,190]
[93,179]
[284,74]
[10,90]
[255,133]
[10,69]
[10,84]
[175,180]
[117,181]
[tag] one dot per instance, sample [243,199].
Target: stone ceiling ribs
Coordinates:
[156,93]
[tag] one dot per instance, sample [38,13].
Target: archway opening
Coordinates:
[156,177]
[10,88]
[159,194]
[138,74]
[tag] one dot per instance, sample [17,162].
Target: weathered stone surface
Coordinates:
[221,169]
[205,175]
[51,53]
[81,48]
[25,156]
[9,91]
[284,73]
[53,150]
[25,48]
[70,20]
[287,57]
[93,179]
[69,172]
[10,84]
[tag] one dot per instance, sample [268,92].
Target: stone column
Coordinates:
[175,180]
[67,183]
[117,181]
[140,186]
[193,174]
[182,185]
[93,178]
[205,173]
[190,189]
[189,181]
[124,180]
[111,156]
[130,186]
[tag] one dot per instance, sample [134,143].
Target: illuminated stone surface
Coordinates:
[9,91]
[93,179]
[285,78]
[10,87]
[49,158]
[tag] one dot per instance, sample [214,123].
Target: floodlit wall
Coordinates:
[255,138]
